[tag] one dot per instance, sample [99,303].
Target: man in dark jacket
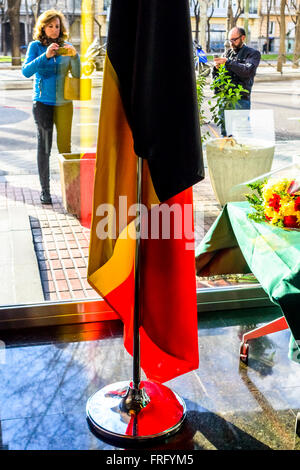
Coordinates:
[241,63]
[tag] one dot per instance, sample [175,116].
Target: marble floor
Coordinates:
[47,376]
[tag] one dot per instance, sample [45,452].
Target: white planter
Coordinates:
[230,165]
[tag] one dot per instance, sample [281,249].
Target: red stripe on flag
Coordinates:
[168,306]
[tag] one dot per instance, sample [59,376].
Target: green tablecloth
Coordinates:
[237,244]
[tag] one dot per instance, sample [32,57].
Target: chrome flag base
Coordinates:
[117,412]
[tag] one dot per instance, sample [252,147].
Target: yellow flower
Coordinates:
[275,203]
[276,217]
[287,207]
[273,186]
[269,211]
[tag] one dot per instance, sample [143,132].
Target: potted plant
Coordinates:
[230,163]
[226,96]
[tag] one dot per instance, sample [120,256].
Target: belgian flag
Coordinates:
[149,110]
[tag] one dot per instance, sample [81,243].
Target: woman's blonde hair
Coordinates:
[44,19]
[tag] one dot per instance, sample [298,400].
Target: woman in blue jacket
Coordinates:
[49,58]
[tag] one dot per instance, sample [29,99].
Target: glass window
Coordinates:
[44,248]
[253,6]
[272,27]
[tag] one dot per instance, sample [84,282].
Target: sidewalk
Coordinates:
[266,73]
[60,243]
[12,77]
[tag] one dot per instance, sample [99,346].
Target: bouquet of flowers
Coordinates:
[276,202]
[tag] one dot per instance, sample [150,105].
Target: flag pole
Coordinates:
[136,397]
[136,319]
[115,412]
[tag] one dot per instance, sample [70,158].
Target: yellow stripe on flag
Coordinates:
[116,175]
[117,269]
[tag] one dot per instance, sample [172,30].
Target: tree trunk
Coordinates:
[281,55]
[13,11]
[208,28]
[246,20]
[35,11]
[197,21]
[203,19]
[2,30]
[230,19]
[196,9]
[27,34]
[296,54]
[267,33]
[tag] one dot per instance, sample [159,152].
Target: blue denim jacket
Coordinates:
[49,73]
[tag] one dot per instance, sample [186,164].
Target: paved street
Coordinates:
[18,131]
[284,99]
[17,128]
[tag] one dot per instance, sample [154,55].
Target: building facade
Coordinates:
[263,15]
[74,10]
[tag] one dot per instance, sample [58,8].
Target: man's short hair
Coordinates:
[241,31]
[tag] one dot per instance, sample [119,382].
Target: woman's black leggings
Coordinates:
[45,117]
